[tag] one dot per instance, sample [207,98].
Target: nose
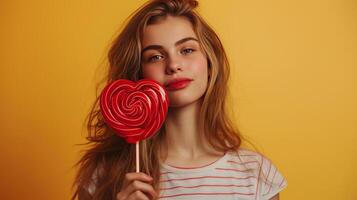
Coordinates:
[173,65]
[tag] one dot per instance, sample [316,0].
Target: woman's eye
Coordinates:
[187,51]
[154,58]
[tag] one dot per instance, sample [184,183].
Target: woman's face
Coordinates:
[172,56]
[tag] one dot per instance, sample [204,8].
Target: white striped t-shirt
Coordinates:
[231,177]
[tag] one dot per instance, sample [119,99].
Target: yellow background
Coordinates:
[293,84]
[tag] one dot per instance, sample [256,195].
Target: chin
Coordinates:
[183,100]
[180,105]
[187,96]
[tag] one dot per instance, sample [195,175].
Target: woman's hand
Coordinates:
[137,186]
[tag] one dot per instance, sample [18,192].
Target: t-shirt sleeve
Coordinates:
[272,181]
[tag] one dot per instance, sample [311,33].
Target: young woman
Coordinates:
[197,153]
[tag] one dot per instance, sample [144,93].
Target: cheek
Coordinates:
[200,67]
[152,73]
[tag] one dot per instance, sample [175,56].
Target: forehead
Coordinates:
[167,31]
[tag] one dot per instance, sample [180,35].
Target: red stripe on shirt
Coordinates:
[196,186]
[235,162]
[282,181]
[237,155]
[213,193]
[236,170]
[201,177]
[256,192]
[271,183]
[163,173]
[267,177]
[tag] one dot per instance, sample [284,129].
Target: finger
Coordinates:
[138,195]
[140,186]
[120,196]
[129,177]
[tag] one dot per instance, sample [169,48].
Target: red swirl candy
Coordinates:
[135,111]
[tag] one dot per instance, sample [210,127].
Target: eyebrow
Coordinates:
[176,44]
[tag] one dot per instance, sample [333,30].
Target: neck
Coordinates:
[184,137]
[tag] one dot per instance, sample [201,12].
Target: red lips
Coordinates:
[177,84]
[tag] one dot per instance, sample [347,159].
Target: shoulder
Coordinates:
[270,181]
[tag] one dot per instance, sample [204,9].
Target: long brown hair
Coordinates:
[111,153]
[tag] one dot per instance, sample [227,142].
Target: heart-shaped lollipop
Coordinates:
[135,110]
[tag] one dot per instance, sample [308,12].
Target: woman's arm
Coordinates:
[276,197]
